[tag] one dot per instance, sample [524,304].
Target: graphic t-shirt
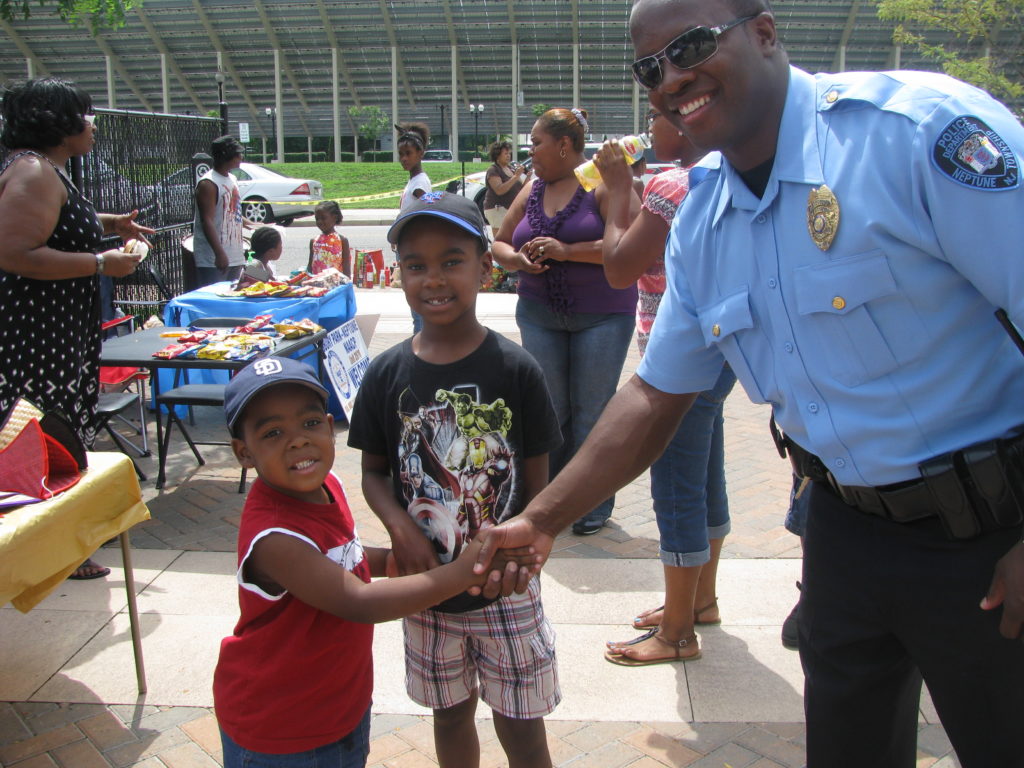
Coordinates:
[227,218]
[291,677]
[327,252]
[455,437]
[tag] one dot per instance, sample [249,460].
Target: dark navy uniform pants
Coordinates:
[884,604]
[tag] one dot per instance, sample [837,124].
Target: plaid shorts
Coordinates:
[509,646]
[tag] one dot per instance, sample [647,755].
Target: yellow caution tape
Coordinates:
[362,198]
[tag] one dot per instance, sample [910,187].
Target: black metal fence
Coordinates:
[143,161]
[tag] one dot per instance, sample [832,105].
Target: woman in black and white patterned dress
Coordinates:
[49,258]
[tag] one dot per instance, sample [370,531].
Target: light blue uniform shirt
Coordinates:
[882,351]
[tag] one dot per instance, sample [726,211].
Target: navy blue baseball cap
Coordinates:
[263,373]
[459,210]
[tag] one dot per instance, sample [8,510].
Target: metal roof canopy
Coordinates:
[182,42]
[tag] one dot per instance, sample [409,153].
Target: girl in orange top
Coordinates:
[330,249]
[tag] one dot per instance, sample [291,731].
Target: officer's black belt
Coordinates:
[975,490]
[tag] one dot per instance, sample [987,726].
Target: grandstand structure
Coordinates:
[289,68]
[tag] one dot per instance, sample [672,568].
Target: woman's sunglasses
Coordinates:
[693,47]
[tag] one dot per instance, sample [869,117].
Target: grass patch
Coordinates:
[352,180]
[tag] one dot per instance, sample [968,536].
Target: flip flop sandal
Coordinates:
[707,607]
[626,661]
[612,645]
[640,622]
[99,571]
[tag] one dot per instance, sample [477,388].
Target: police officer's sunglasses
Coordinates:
[690,49]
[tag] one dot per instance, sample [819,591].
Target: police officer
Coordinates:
[845,254]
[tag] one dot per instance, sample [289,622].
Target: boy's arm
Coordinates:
[413,551]
[381,561]
[302,570]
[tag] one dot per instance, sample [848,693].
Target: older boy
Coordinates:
[296,675]
[455,425]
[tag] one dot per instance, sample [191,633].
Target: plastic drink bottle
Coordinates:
[632,146]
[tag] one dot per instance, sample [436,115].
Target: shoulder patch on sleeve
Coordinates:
[972,154]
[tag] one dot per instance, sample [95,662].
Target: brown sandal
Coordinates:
[620,657]
[641,622]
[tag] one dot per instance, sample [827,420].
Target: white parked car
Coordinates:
[474,188]
[270,196]
[262,191]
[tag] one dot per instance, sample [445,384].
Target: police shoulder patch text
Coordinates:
[972,154]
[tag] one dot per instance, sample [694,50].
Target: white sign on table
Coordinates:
[347,359]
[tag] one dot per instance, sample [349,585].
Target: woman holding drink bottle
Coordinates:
[50,259]
[571,320]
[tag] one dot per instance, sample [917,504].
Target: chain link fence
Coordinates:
[143,161]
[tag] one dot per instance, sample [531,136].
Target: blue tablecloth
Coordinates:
[330,310]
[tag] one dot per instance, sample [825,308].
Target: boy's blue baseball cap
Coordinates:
[459,210]
[263,373]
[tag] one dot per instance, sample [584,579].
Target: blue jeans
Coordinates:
[582,357]
[348,752]
[688,481]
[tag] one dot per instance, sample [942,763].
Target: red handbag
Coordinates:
[34,464]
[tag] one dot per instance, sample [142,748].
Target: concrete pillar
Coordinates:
[165,89]
[394,99]
[111,93]
[278,104]
[454,141]
[335,106]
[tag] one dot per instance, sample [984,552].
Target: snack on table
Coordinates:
[194,336]
[256,324]
[173,350]
[293,329]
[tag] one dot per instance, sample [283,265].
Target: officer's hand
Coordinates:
[1007,589]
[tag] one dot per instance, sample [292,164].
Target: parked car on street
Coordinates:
[438,156]
[267,196]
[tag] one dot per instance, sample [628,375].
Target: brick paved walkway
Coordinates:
[199,510]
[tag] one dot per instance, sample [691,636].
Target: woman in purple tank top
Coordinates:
[570,319]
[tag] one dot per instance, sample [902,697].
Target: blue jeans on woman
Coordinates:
[688,481]
[348,752]
[582,356]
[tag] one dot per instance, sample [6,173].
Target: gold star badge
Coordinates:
[822,216]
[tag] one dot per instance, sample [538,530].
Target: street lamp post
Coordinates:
[222,104]
[272,116]
[476,110]
[442,106]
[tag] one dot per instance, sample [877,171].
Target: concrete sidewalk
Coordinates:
[66,671]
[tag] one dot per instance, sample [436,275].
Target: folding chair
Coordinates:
[192,395]
[117,396]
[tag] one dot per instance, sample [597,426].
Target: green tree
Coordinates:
[988,33]
[98,13]
[371,122]
[539,109]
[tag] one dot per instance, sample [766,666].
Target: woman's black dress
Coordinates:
[50,329]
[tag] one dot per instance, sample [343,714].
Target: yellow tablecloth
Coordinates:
[41,544]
